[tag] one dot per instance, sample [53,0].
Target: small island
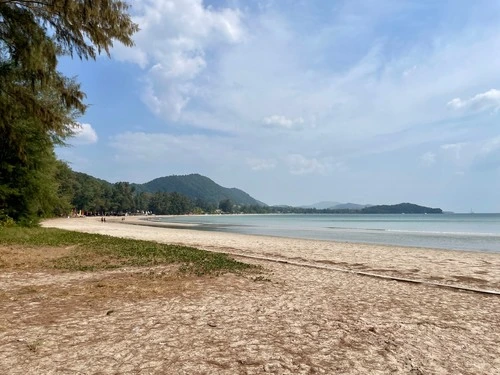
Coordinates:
[401,208]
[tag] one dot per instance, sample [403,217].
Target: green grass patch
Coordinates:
[92,252]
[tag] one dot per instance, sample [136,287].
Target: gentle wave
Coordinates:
[474,234]
[360,229]
[422,232]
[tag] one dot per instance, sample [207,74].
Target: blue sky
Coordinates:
[376,102]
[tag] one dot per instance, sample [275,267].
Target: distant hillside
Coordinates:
[196,186]
[350,206]
[321,205]
[325,205]
[86,179]
[402,208]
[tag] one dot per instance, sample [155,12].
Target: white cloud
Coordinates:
[283,122]
[84,134]
[486,154]
[465,157]
[480,102]
[490,145]
[171,46]
[428,158]
[454,148]
[299,164]
[169,101]
[257,164]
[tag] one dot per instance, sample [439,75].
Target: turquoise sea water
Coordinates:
[480,232]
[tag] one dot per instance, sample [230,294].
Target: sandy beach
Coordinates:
[317,307]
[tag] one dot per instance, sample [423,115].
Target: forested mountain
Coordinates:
[196,186]
[402,208]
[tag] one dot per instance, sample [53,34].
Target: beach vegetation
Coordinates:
[93,252]
[226,206]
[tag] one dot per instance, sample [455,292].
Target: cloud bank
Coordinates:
[176,40]
[480,102]
[84,134]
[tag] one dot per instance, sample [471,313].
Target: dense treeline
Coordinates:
[39,106]
[91,196]
[253,209]
[402,208]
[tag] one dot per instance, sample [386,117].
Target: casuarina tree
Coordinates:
[39,106]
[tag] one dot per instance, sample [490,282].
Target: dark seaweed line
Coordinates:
[367,274]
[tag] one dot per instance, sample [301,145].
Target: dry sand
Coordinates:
[291,319]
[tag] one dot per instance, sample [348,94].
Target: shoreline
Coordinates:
[474,269]
[146,221]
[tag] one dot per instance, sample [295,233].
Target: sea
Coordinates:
[474,232]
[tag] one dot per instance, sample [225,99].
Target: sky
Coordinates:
[295,102]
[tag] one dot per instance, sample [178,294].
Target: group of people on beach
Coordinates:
[103,219]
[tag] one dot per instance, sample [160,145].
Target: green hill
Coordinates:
[402,208]
[196,186]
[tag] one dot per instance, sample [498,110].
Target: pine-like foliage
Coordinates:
[38,105]
[34,33]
